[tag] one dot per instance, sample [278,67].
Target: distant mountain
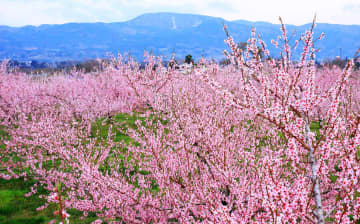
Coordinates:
[161,33]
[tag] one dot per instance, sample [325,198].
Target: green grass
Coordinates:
[16,208]
[120,122]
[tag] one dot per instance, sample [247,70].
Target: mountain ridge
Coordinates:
[161,33]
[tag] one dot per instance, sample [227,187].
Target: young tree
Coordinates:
[189,59]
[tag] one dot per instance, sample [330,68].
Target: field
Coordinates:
[261,140]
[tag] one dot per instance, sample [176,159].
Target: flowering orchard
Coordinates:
[259,141]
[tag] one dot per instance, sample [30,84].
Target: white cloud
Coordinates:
[35,12]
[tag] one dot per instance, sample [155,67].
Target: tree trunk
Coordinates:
[319,213]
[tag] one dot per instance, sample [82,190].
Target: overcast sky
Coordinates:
[36,12]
